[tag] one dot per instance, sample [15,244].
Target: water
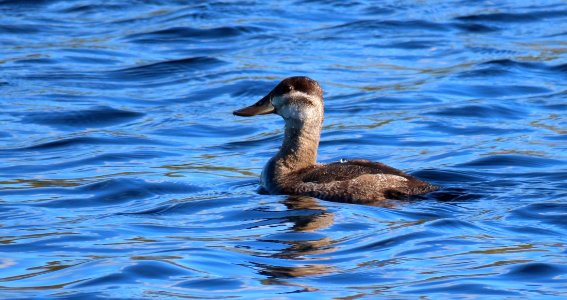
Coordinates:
[124,174]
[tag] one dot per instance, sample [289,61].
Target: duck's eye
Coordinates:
[289,88]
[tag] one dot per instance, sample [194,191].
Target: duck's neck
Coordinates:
[299,147]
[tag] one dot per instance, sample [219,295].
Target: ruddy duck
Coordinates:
[294,169]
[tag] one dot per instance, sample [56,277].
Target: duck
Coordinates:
[294,170]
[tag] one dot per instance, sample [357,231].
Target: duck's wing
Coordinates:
[358,181]
[340,171]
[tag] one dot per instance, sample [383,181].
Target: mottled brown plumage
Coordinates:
[294,170]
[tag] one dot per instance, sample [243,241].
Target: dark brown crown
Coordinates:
[302,84]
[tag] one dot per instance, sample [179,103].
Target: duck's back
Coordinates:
[358,181]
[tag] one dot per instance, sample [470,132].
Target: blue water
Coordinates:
[124,174]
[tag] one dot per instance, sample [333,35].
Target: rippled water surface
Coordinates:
[124,174]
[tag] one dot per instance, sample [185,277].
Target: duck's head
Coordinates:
[294,98]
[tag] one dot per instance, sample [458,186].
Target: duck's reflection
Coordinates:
[305,252]
[320,219]
[317,219]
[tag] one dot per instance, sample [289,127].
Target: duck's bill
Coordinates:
[262,107]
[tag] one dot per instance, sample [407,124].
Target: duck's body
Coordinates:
[356,181]
[294,169]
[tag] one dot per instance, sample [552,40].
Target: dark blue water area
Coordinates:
[124,174]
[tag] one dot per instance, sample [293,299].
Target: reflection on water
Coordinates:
[125,175]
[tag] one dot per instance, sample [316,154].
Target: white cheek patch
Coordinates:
[298,94]
[291,110]
[277,101]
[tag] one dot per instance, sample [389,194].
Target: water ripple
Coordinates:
[94,117]
[532,16]
[178,34]
[124,174]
